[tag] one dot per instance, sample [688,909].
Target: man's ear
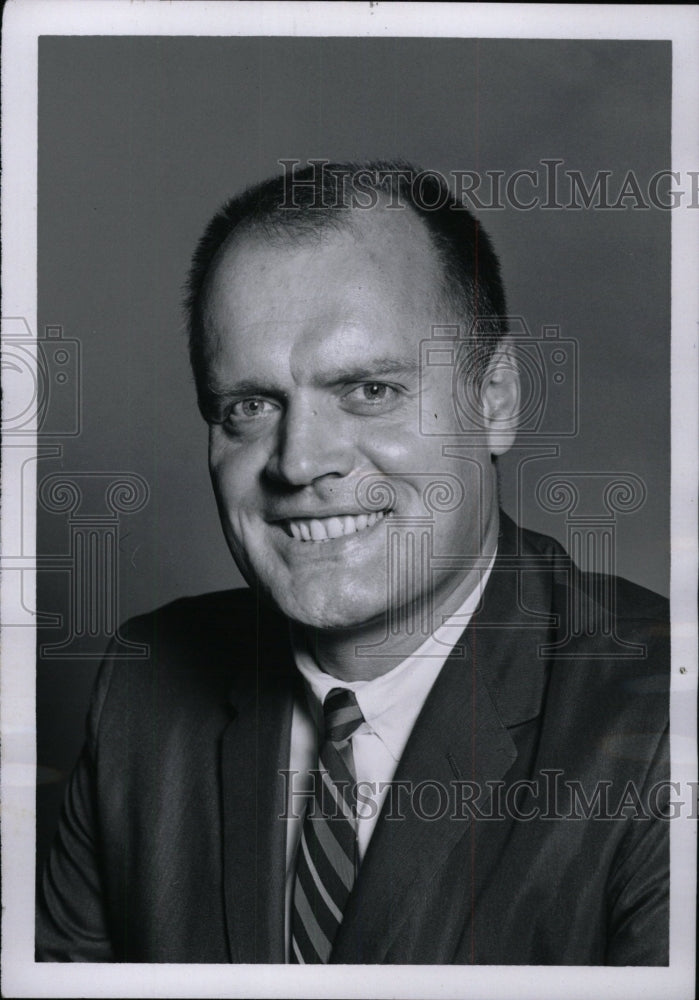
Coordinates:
[500,398]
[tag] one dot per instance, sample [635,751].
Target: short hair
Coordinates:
[324,195]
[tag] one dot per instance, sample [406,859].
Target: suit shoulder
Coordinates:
[219,612]
[627,600]
[193,645]
[635,610]
[634,602]
[596,611]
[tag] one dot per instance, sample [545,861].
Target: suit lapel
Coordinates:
[457,737]
[514,623]
[254,750]
[461,735]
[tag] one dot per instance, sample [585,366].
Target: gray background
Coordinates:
[140,140]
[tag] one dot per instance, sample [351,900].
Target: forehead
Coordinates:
[370,268]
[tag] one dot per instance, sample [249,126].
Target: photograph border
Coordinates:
[23,23]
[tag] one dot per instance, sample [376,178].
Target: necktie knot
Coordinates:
[342,715]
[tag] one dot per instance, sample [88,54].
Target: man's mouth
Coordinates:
[323,529]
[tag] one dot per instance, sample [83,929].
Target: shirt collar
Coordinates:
[392,702]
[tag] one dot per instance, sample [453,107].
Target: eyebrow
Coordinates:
[374,368]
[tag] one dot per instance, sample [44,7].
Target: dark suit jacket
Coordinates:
[171,849]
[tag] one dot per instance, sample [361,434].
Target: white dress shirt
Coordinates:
[390,705]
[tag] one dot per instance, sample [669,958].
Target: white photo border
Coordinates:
[23,23]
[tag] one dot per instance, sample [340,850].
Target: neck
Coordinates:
[371,650]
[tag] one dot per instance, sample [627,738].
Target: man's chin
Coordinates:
[327,612]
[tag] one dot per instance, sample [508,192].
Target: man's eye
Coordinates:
[375,391]
[249,409]
[370,394]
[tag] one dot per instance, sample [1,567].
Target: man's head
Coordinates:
[327,196]
[305,341]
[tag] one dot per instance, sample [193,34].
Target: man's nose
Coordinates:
[310,445]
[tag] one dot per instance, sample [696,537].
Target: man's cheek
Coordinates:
[395,454]
[228,478]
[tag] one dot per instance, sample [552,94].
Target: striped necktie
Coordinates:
[327,859]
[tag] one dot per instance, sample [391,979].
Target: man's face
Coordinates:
[313,349]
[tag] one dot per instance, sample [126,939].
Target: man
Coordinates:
[397,745]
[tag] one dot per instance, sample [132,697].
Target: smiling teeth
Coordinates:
[322,529]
